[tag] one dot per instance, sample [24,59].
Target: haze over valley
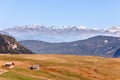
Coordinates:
[59,34]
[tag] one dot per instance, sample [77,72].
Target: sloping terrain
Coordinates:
[9,45]
[60,67]
[98,46]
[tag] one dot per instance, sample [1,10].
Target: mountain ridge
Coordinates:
[97,46]
[59,34]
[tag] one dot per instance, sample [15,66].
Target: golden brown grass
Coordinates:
[61,67]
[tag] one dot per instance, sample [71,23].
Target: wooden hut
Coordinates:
[9,65]
[35,67]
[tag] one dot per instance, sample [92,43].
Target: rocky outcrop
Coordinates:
[9,45]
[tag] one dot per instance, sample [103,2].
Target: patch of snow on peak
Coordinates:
[106,41]
[52,27]
[95,29]
[114,29]
[82,27]
[64,27]
[34,26]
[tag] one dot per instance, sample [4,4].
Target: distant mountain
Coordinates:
[59,34]
[98,46]
[5,33]
[9,45]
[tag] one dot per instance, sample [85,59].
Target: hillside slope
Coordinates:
[9,45]
[60,67]
[98,46]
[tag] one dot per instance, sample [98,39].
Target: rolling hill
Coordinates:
[105,46]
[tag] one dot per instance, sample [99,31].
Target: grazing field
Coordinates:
[60,67]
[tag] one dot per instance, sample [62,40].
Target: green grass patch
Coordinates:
[16,76]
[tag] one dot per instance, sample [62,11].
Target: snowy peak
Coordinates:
[27,27]
[106,41]
[36,26]
[59,34]
[114,29]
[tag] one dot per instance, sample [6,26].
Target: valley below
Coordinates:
[59,67]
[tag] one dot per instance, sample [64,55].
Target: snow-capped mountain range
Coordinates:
[59,34]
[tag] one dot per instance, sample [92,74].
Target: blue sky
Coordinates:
[90,13]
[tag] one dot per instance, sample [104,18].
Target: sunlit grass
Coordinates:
[61,67]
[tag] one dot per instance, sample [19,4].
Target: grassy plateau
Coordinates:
[60,67]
